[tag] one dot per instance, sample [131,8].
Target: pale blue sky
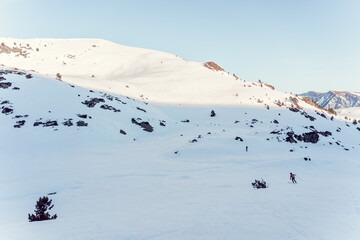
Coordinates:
[296,45]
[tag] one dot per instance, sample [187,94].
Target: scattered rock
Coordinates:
[5,85]
[239,139]
[162,123]
[185,121]
[21,116]
[294,109]
[325,133]
[212,114]
[82,115]
[48,123]
[306,115]
[68,122]
[140,109]
[122,132]
[312,137]
[275,132]
[81,124]
[276,121]
[144,125]
[7,111]
[193,141]
[19,124]
[321,114]
[108,107]
[92,102]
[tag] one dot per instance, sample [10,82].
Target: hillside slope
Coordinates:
[142,74]
[177,173]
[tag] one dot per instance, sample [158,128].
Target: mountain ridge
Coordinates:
[334,99]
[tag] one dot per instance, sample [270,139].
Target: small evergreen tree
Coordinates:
[41,208]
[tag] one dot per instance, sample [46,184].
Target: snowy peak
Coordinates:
[334,99]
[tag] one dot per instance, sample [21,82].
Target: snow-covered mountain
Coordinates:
[334,99]
[142,74]
[120,168]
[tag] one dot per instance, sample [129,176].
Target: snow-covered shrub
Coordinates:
[41,208]
[259,184]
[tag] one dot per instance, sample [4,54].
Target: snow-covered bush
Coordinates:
[41,208]
[259,184]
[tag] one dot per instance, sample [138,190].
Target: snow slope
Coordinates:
[350,113]
[142,74]
[163,184]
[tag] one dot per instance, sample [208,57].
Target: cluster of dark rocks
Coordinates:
[111,108]
[309,137]
[144,125]
[46,123]
[92,102]
[5,85]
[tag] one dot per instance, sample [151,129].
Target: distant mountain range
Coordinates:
[334,99]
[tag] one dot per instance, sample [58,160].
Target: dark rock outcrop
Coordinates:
[81,124]
[92,102]
[144,125]
[294,109]
[140,109]
[7,111]
[19,124]
[68,123]
[48,123]
[239,139]
[5,85]
[108,107]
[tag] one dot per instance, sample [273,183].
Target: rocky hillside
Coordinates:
[334,99]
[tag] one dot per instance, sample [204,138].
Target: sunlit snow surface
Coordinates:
[134,186]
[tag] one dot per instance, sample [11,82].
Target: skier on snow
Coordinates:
[292,177]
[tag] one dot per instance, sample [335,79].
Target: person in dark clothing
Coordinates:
[292,177]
